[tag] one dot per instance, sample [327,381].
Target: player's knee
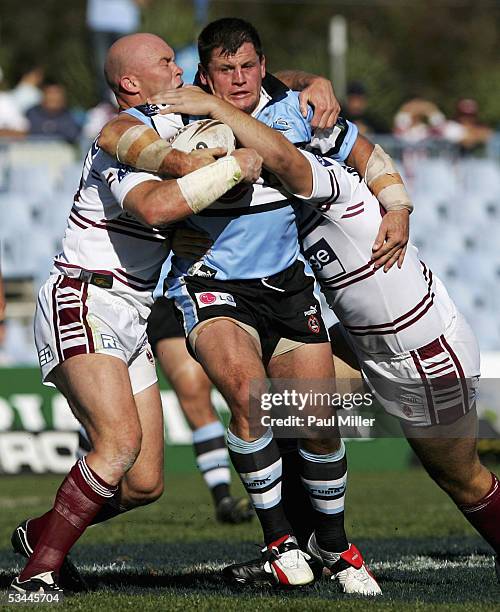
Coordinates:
[144,492]
[461,484]
[193,386]
[123,451]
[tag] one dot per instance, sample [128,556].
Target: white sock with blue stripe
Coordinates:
[325,479]
[212,458]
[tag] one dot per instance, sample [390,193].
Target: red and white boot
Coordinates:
[347,568]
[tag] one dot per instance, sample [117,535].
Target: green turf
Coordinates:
[168,556]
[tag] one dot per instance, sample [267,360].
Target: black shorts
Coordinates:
[278,306]
[163,322]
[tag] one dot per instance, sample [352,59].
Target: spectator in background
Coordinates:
[107,21]
[475,134]
[52,117]
[13,124]
[418,120]
[98,116]
[355,109]
[28,91]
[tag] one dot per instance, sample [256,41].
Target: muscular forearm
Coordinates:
[295,79]
[360,154]
[279,155]
[147,152]
[380,174]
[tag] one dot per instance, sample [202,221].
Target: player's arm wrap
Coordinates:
[385,181]
[142,148]
[205,185]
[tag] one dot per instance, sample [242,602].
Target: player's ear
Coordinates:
[263,66]
[205,79]
[129,84]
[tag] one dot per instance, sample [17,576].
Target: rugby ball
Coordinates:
[204,134]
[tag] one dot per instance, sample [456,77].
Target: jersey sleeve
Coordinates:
[166,126]
[336,142]
[121,179]
[332,184]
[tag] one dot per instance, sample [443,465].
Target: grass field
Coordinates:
[168,556]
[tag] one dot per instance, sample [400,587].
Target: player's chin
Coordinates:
[245,103]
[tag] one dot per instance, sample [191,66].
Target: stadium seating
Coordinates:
[455,225]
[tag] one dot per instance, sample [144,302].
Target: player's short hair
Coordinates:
[229,33]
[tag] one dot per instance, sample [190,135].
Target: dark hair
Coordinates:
[229,33]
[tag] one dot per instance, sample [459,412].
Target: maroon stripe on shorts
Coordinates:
[90,337]
[430,350]
[427,388]
[460,371]
[55,321]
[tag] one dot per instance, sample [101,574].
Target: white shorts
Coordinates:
[75,318]
[435,384]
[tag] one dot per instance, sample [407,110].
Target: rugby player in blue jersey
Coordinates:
[236,331]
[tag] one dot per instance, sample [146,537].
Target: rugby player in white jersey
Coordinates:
[414,349]
[90,323]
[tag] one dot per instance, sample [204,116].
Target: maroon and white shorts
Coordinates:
[434,384]
[76,318]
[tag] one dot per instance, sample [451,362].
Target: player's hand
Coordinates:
[390,244]
[250,163]
[190,244]
[320,95]
[203,157]
[189,100]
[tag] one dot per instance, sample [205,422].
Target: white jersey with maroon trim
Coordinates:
[392,312]
[103,238]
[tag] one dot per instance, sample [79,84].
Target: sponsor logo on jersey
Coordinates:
[258,482]
[45,356]
[281,124]
[201,269]
[313,324]
[150,109]
[312,311]
[409,398]
[320,255]
[323,161]
[410,403]
[214,298]
[123,170]
[110,342]
[326,491]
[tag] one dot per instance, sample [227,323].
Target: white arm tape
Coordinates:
[140,147]
[385,181]
[205,185]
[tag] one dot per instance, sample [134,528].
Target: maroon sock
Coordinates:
[36,526]
[78,500]
[484,515]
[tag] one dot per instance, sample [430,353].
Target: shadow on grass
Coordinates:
[438,570]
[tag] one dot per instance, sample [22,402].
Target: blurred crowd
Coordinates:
[37,106]
[419,120]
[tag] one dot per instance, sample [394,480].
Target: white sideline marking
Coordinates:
[411,563]
[421,562]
